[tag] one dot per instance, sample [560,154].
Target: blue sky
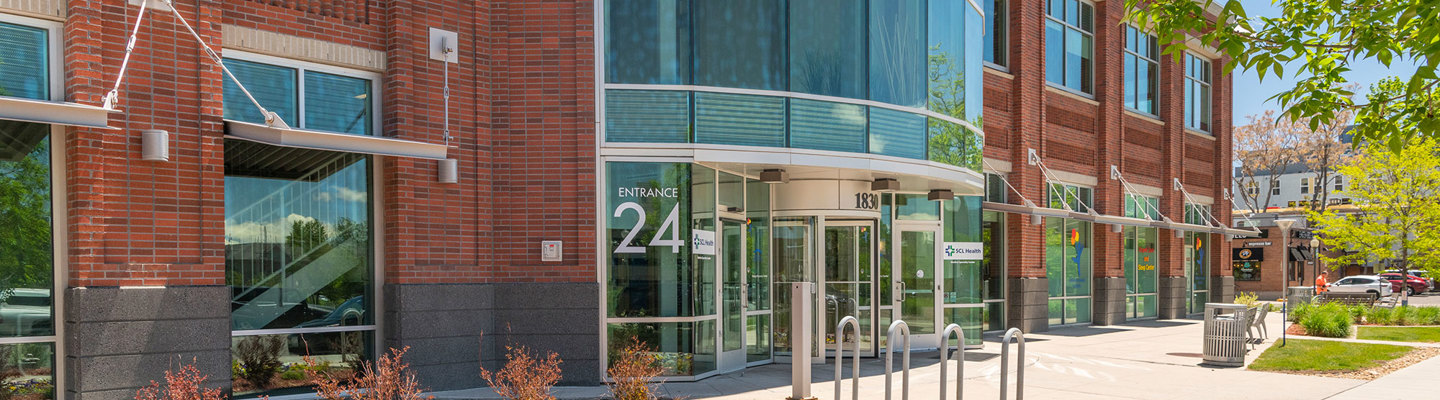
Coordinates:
[1250,97]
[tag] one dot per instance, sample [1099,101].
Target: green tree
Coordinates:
[25,248]
[1322,38]
[1398,216]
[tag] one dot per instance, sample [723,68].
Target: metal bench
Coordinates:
[1258,332]
[1364,299]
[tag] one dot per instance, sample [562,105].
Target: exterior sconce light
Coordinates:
[1117,228]
[941,194]
[154,145]
[1037,220]
[448,170]
[774,176]
[885,185]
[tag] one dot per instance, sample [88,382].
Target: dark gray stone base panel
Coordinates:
[119,339]
[1222,289]
[1028,307]
[454,329]
[1109,306]
[1172,297]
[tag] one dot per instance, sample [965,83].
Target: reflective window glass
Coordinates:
[275,87]
[1197,93]
[24,62]
[649,275]
[897,52]
[26,256]
[897,133]
[740,44]
[647,41]
[825,57]
[824,125]
[1069,45]
[337,103]
[647,116]
[723,118]
[997,31]
[298,238]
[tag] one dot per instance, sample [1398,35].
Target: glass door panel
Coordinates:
[732,294]
[917,281]
[848,288]
[794,257]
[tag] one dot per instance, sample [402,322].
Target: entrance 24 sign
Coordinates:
[963,251]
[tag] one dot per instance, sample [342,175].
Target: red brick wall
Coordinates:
[522,118]
[1076,136]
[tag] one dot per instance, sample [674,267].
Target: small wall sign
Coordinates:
[702,242]
[963,251]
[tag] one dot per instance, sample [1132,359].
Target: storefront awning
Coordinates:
[53,112]
[317,140]
[1123,221]
[1029,209]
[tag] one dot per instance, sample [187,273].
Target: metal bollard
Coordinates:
[840,356]
[960,360]
[890,359]
[801,294]
[1019,336]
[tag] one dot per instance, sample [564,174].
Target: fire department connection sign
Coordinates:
[963,251]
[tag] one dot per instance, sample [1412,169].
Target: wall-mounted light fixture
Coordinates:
[885,185]
[941,194]
[774,176]
[154,145]
[448,170]
[1037,220]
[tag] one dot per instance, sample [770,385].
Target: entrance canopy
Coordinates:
[53,112]
[343,142]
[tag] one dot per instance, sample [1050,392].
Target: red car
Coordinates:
[1415,285]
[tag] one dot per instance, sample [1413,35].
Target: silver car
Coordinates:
[1372,284]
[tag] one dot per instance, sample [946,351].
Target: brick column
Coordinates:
[1172,203]
[1109,288]
[1028,289]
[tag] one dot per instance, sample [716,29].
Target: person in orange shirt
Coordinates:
[1320,284]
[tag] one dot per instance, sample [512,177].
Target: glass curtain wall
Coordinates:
[27,253]
[758,278]
[1141,259]
[917,54]
[1067,257]
[993,266]
[1197,259]
[966,282]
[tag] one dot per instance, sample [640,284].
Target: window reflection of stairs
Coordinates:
[320,237]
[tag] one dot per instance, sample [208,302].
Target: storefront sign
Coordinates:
[1257,244]
[964,251]
[1244,254]
[702,242]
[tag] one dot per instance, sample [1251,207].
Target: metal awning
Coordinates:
[1180,226]
[317,140]
[1239,232]
[1123,221]
[54,112]
[1028,209]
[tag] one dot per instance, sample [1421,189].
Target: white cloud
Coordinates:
[273,231]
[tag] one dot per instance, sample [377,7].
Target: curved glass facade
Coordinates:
[887,77]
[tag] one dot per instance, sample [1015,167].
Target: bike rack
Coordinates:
[904,330]
[944,360]
[1019,337]
[840,356]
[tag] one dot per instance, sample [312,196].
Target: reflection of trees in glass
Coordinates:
[25,252]
[951,143]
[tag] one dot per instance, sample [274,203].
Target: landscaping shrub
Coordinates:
[389,378]
[1380,316]
[524,376]
[633,372]
[1247,299]
[183,385]
[1330,320]
[259,358]
[1428,315]
[1300,311]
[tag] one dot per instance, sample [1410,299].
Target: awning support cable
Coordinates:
[446,63]
[1131,190]
[1025,201]
[1051,178]
[1210,215]
[1245,213]
[112,99]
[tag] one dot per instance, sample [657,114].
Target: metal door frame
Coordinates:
[919,341]
[820,281]
[721,355]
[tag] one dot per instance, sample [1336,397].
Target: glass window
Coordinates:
[24,61]
[947,58]
[954,144]
[647,41]
[739,44]
[649,275]
[995,188]
[824,56]
[1142,71]
[916,207]
[333,103]
[1246,270]
[647,116]
[724,118]
[274,87]
[337,103]
[897,133]
[824,125]
[997,28]
[1197,93]
[1069,44]
[1339,183]
[897,52]
[342,352]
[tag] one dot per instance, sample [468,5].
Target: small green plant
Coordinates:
[1330,320]
[1247,299]
[1300,311]
[293,374]
[259,358]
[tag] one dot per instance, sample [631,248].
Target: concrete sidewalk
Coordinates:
[1413,382]
[1143,360]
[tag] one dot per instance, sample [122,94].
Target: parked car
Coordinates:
[1410,284]
[1363,284]
[1429,282]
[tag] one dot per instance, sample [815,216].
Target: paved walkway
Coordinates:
[1414,382]
[1144,360]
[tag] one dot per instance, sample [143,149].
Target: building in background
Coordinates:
[577,174]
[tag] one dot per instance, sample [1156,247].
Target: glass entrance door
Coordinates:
[732,295]
[915,283]
[848,285]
